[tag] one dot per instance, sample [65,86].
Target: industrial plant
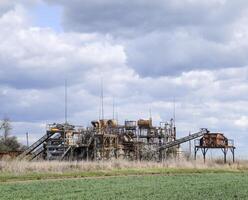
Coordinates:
[133,140]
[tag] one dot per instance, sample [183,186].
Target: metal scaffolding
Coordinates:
[106,140]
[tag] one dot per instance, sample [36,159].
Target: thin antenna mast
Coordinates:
[102,99]
[174,116]
[174,111]
[65,100]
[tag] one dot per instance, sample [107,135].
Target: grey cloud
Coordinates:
[132,17]
[8,5]
[165,37]
[161,54]
[44,105]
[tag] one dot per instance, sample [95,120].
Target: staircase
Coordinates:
[35,145]
[37,152]
[41,149]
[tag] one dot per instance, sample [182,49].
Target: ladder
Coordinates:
[184,139]
[36,144]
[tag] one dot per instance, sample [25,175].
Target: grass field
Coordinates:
[176,186]
[123,180]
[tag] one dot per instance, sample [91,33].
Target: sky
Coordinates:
[147,53]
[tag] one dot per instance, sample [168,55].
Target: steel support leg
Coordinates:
[233,158]
[225,153]
[204,152]
[196,149]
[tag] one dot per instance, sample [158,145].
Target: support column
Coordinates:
[196,149]
[233,156]
[232,150]
[204,152]
[225,152]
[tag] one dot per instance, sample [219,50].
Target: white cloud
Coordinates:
[242,122]
[37,54]
[35,61]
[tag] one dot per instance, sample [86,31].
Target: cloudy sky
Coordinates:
[146,52]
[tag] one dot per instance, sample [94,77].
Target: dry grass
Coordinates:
[23,167]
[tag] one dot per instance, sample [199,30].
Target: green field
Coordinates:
[174,186]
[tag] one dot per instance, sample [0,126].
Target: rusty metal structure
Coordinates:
[214,141]
[106,140]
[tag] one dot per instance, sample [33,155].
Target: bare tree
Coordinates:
[7,142]
[6,127]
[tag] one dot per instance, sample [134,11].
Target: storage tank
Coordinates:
[112,123]
[130,125]
[142,123]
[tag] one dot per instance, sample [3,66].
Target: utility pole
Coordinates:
[27,139]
